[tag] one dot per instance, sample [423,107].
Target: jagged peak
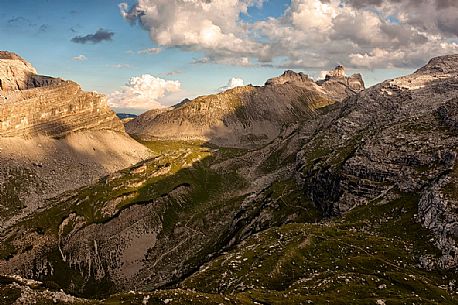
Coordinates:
[292,73]
[338,71]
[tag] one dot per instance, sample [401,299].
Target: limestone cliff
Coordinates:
[54,137]
[32,104]
[55,110]
[17,74]
[245,116]
[354,202]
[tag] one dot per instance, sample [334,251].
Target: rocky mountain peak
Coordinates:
[289,76]
[339,86]
[54,137]
[32,104]
[11,55]
[18,74]
[338,71]
[246,116]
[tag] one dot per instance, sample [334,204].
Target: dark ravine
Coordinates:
[352,201]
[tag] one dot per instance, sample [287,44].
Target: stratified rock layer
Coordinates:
[55,110]
[54,137]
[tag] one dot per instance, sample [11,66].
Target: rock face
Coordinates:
[54,137]
[338,71]
[55,110]
[292,77]
[339,86]
[370,181]
[396,137]
[17,74]
[245,116]
[32,104]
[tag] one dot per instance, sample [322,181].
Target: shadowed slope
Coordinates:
[353,204]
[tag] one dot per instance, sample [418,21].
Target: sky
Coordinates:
[146,54]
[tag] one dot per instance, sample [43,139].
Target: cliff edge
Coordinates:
[54,137]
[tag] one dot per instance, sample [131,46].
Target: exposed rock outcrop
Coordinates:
[54,137]
[292,77]
[245,116]
[398,136]
[55,110]
[17,74]
[339,86]
[338,71]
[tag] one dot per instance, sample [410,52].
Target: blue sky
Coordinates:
[51,51]
[41,31]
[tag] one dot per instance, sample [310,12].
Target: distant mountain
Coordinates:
[352,201]
[123,116]
[245,116]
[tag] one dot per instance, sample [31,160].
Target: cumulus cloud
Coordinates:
[143,92]
[232,83]
[309,34]
[80,57]
[97,37]
[214,26]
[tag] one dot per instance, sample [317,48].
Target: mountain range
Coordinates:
[295,192]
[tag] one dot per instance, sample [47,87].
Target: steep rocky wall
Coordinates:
[55,111]
[398,137]
[18,74]
[15,73]
[54,137]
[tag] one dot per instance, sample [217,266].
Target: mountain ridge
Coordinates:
[368,181]
[244,116]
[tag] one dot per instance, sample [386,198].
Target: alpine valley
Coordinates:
[295,192]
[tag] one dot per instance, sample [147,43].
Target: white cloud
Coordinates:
[149,51]
[309,34]
[312,15]
[232,83]
[196,24]
[322,75]
[121,66]
[80,58]
[143,92]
